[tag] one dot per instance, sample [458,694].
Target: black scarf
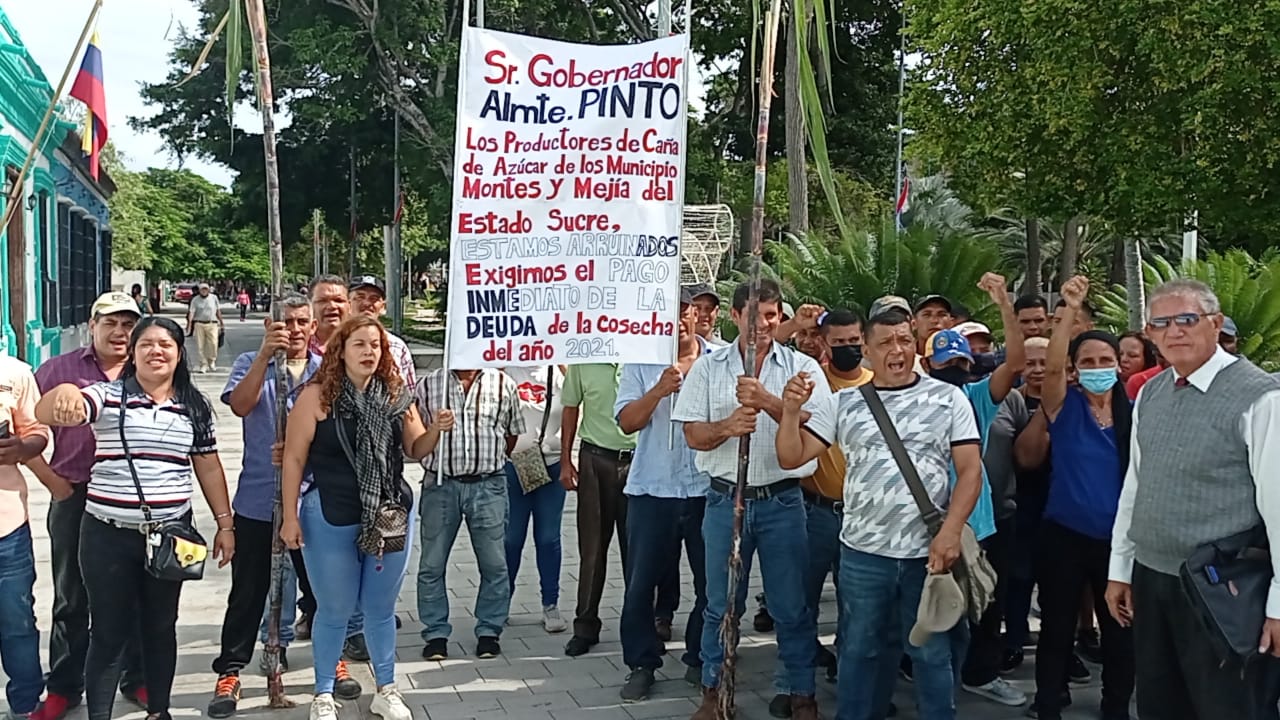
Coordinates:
[378,417]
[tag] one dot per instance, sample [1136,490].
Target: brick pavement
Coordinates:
[533,680]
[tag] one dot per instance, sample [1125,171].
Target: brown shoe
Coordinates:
[710,707]
[663,628]
[804,707]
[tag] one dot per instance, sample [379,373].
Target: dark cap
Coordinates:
[686,296]
[362,281]
[697,290]
[1229,327]
[934,300]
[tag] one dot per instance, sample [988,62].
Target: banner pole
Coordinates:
[448,330]
[684,163]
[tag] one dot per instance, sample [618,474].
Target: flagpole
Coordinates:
[14,199]
[902,84]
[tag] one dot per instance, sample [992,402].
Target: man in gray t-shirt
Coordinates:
[204,320]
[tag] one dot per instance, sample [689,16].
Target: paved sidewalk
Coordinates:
[533,680]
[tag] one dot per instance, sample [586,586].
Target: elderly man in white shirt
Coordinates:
[204,318]
[1204,455]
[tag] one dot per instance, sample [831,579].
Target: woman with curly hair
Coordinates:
[1137,353]
[352,426]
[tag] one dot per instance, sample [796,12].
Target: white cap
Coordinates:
[114,302]
[941,607]
[972,328]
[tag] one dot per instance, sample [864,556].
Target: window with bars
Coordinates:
[79,272]
[48,263]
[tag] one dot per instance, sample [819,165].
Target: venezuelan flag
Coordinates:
[89,89]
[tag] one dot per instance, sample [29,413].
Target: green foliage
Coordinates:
[179,226]
[852,272]
[1131,112]
[1247,288]
[862,202]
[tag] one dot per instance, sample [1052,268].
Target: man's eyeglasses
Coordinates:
[1185,320]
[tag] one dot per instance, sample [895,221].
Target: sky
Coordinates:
[135,37]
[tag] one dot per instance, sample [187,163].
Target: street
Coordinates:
[533,680]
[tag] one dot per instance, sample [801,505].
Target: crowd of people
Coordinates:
[884,451]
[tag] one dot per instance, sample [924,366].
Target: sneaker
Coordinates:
[345,686]
[54,707]
[355,649]
[1011,661]
[1033,710]
[663,627]
[487,647]
[226,696]
[1077,672]
[302,631]
[639,681]
[323,708]
[780,706]
[999,690]
[136,695]
[578,645]
[389,704]
[264,664]
[552,621]
[763,621]
[436,649]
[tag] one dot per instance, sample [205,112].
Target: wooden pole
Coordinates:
[257,17]
[14,200]
[729,626]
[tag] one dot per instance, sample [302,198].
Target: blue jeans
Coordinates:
[875,590]
[774,529]
[288,606]
[545,506]
[656,529]
[483,504]
[19,639]
[823,525]
[355,625]
[346,579]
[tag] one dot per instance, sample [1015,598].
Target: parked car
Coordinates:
[183,292]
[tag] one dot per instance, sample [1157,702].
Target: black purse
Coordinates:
[1227,582]
[176,551]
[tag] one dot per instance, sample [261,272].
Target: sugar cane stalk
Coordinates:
[257,17]
[729,626]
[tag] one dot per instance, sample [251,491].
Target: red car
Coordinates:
[183,292]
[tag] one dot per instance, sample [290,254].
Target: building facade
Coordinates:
[56,249]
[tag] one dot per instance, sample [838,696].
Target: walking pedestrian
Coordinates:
[204,318]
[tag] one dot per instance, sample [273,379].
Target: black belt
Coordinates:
[206,322]
[821,500]
[615,455]
[760,492]
[468,479]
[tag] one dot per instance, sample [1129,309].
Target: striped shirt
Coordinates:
[483,418]
[161,443]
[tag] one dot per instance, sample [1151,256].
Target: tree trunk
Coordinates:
[1032,285]
[257,17]
[1070,256]
[797,175]
[1115,274]
[1133,282]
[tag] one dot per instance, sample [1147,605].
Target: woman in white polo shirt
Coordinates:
[168,426]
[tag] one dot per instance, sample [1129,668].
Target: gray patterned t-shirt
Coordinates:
[880,517]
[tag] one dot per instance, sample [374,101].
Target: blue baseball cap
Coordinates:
[947,345]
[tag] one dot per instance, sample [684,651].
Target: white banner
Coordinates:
[568,196]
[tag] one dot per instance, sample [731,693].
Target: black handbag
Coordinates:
[176,551]
[1227,582]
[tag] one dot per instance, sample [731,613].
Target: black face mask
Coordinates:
[952,375]
[985,363]
[846,358]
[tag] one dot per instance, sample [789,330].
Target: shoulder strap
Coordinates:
[546,411]
[128,457]
[341,429]
[928,511]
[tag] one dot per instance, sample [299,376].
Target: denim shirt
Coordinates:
[255,494]
[663,463]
